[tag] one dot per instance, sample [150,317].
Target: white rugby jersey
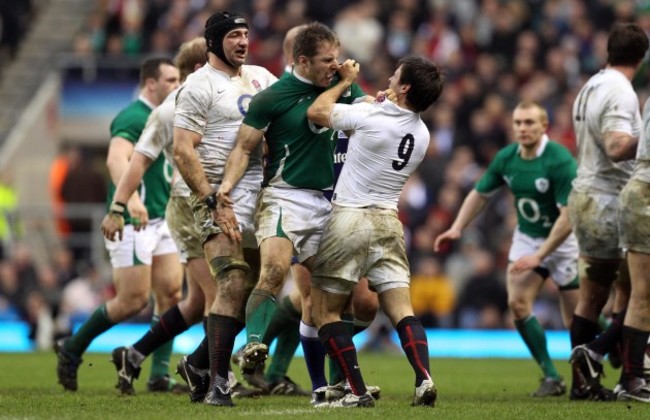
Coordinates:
[642,168]
[158,137]
[607,102]
[214,104]
[387,145]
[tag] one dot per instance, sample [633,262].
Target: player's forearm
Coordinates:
[559,232]
[471,207]
[191,170]
[620,146]
[235,167]
[117,166]
[131,179]
[319,112]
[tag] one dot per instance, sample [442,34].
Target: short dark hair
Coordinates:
[151,68]
[627,45]
[310,37]
[425,79]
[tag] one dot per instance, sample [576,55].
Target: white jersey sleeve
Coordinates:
[386,146]
[158,137]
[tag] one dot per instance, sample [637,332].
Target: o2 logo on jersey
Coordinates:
[317,129]
[542,185]
[168,171]
[243,102]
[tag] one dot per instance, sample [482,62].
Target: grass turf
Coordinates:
[467,389]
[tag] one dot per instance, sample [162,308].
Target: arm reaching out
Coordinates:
[472,206]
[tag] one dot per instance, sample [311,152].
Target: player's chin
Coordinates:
[325,82]
[239,59]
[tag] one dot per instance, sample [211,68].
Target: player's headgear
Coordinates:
[216,28]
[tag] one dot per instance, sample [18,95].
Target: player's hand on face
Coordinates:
[449,235]
[113,226]
[389,94]
[525,263]
[138,213]
[349,70]
[224,217]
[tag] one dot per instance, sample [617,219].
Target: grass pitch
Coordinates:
[467,389]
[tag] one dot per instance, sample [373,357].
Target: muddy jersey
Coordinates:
[387,145]
[539,185]
[155,186]
[607,102]
[214,104]
[300,152]
[642,167]
[158,138]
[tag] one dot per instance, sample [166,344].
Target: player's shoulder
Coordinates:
[556,149]
[556,154]
[197,83]
[275,95]
[260,72]
[136,111]
[507,152]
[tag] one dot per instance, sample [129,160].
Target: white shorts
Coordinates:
[139,248]
[298,215]
[244,209]
[634,216]
[594,217]
[362,242]
[183,229]
[562,263]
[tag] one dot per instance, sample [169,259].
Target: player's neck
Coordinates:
[149,98]
[529,152]
[627,71]
[218,64]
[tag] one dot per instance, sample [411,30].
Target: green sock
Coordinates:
[533,335]
[92,328]
[336,374]
[603,322]
[259,311]
[284,326]
[160,356]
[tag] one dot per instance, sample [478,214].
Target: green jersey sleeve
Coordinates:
[130,122]
[261,110]
[492,179]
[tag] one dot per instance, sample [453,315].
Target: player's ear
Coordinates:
[404,89]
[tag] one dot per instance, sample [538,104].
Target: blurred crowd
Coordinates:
[494,53]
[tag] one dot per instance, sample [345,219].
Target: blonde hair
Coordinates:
[543,115]
[190,54]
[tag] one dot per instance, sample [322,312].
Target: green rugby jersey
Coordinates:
[539,185]
[155,186]
[300,153]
